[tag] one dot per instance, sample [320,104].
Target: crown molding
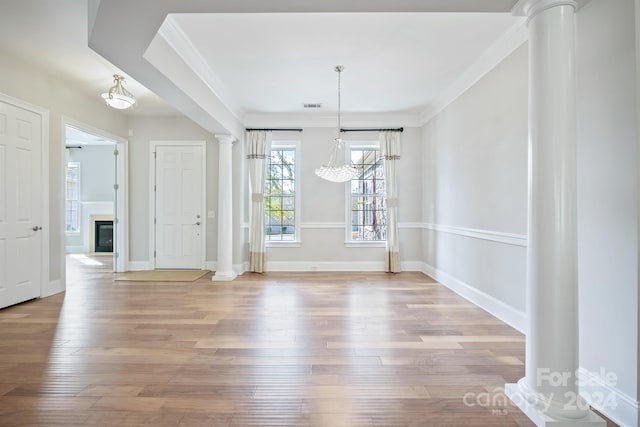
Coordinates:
[176,38]
[497,52]
[512,39]
[531,8]
[330,120]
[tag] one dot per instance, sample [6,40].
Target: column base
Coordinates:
[224,276]
[539,415]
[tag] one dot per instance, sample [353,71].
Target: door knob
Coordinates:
[197,223]
[36,228]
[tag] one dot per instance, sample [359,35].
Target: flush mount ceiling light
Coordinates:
[336,171]
[118,97]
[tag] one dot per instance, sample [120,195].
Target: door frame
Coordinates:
[152,195]
[47,287]
[121,260]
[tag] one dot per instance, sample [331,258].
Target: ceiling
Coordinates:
[52,35]
[228,65]
[77,137]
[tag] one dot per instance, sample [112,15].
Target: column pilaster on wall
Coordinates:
[548,394]
[224,270]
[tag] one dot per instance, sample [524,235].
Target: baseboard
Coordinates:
[338,266]
[139,265]
[211,265]
[604,396]
[52,288]
[241,268]
[512,317]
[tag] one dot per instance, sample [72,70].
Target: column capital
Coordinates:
[531,8]
[225,138]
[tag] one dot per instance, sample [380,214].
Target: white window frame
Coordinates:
[297,241]
[79,229]
[349,242]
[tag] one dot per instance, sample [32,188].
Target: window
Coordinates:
[72,198]
[280,199]
[368,211]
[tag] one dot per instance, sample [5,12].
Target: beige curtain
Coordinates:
[258,150]
[390,150]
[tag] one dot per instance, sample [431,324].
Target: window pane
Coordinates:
[288,203]
[288,186]
[280,195]
[368,205]
[72,196]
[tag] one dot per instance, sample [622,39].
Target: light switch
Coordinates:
[211,214]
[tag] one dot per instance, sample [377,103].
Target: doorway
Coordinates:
[95,193]
[177,203]
[24,233]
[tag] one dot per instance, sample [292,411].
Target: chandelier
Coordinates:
[336,171]
[118,97]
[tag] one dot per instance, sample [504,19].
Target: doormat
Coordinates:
[161,275]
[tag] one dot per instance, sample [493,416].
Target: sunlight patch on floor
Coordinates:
[85,259]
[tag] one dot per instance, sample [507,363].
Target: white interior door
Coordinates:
[20,210]
[179,206]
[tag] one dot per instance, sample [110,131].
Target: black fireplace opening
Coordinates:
[104,236]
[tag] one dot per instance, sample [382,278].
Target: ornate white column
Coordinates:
[548,394]
[224,270]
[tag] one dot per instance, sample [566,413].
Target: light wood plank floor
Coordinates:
[316,349]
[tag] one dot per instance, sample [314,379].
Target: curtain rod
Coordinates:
[274,129]
[373,130]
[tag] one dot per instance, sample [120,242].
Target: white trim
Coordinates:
[513,38]
[175,37]
[365,244]
[322,225]
[53,287]
[412,225]
[74,249]
[122,207]
[211,265]
[139,265]
[328,225]
[308,266]
[595,391]
[304,120]
[512,317]
[241,268]
[531,8]
[494,236]
[282,244]
[152,203]
[44,192]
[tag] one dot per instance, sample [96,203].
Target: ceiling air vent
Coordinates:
[313,105]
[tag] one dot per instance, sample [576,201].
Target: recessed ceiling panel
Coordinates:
[394,62]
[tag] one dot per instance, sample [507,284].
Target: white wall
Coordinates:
[97,172]
[475,177]
[475,190]
[322,215]
[608,197]
[25,82]
[144,130]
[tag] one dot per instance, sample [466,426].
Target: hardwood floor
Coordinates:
[313,349]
